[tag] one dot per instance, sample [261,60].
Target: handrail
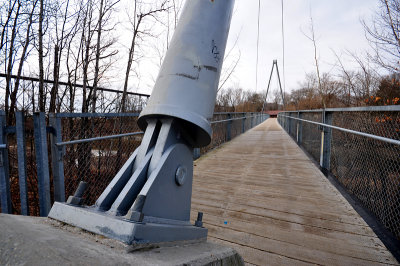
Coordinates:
[385,108]
[79,115]
[388,140]
[120,135]
[71,142]
[3,75]
[97,138]
[231,119]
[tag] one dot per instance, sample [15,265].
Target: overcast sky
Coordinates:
[337,27]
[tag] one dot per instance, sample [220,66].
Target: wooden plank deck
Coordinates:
[262,195]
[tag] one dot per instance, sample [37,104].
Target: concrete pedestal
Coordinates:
[42,241]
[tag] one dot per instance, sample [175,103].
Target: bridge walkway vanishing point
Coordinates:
[263,196]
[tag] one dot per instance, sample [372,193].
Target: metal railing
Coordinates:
[52,154]
[360,147]
[226,126]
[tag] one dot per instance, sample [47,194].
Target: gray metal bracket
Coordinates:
[149,199]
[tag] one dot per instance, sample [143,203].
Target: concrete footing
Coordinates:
[43,241]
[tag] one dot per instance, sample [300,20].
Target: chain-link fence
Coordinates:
[96,161]
[31,205]
[368,166]
[226,126]
[77,147]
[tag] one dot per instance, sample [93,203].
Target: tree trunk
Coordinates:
[130,59]
[21,63]
[54,89]
[96,70]
[5,25]
[10,62]
[42,102]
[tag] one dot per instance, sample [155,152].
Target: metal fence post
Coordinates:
[42,163]
[229,128]
[251,120]
[5,195]
[244,123]
[21,150]
[285,119]
[299,128]
[326,137]
[57,155]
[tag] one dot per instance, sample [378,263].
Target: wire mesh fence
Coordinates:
[96,162]
[87,153]
[236,123]
[31,173]
[368,168]
[311,137]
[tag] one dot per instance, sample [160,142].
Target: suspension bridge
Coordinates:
[263,193]
[263,196]
[257,185]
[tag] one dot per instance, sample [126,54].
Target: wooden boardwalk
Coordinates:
[262,195]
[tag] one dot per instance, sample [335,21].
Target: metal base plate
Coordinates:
[121,229]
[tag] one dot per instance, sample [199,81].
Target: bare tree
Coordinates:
[140,14]
[367,76]
[357,85]
[105,9]
[25,44]
[228,69]
[10,56]
[73,55]
[42,102]
[63,36]
[311,37]
[349,81]
[9,8]
[384,35]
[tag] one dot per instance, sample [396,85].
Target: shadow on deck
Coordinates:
[263,196]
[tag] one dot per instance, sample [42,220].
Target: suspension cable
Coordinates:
[283,51]
[258,40]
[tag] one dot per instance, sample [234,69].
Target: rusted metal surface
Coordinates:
[262,195]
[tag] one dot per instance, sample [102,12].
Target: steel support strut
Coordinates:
[150,197]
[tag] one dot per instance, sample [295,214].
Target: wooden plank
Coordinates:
[344,217]
[261,195]
[286,249]
[256,256]
[299,209]
[314,242]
